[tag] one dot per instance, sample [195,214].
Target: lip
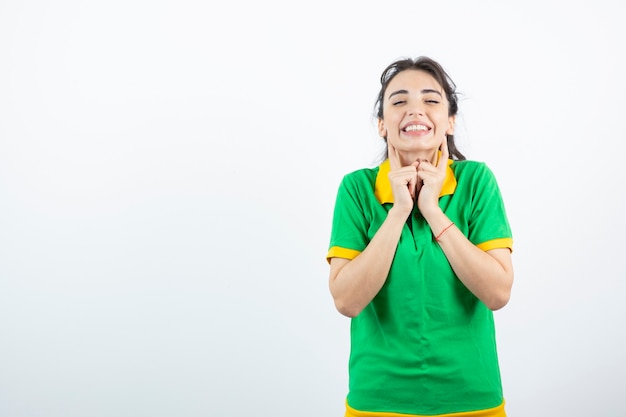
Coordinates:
[415,123]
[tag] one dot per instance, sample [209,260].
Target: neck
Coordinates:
[408,158]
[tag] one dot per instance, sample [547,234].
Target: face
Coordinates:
[415,115]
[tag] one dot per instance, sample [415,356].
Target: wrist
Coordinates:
[444,230]
[432,214]
[396,212]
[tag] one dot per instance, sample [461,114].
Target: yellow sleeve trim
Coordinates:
[490,412]
[339,252]
[506,242]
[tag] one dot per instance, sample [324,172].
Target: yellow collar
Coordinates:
[383,192]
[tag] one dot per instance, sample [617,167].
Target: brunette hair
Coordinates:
[433,68]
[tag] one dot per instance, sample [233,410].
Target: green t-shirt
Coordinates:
[425,344]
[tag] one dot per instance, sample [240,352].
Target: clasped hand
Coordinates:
[418,183]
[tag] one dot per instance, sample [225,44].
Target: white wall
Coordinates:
[168,172]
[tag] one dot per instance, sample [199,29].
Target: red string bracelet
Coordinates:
[443,231]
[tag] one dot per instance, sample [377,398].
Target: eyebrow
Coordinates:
[424,91]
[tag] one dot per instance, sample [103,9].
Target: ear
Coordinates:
[382,130]
[451,122]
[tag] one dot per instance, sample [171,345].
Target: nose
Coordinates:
[416,110]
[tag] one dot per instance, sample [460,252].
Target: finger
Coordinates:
[394,157]
[442,163]
[445,154]
[421,176]
[418,182]
[412,184]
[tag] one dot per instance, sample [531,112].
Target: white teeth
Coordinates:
[415,127]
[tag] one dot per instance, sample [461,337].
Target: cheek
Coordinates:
[444,123]
[393,121]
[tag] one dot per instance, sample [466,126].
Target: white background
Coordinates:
[168,171]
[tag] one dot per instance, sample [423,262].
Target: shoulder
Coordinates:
[469,169]
[358,186]
[468,165]
[360,177]
[474,178]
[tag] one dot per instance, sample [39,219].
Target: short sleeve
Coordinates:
[349,228]
[488,224]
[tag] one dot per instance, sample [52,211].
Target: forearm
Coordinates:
[488,275]
[354,283]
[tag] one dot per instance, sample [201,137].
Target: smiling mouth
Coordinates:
[415,128]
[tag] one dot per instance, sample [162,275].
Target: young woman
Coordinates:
[420,255]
